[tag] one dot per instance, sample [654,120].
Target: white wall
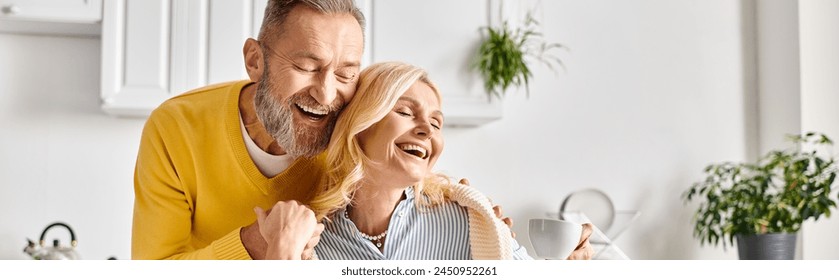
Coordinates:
[654,91]
[819,29]
[779,72]
[61,157]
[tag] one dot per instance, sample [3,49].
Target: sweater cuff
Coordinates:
[230,247]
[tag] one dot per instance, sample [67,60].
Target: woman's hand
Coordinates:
[583,250]
[289,229]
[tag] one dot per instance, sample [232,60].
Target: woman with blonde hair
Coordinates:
[381,199]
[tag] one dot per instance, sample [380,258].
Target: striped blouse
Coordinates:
[438,233]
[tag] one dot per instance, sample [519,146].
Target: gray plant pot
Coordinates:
[770,246]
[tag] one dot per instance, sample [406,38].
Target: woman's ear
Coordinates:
[253,59]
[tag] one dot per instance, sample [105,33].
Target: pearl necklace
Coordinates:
[377,238]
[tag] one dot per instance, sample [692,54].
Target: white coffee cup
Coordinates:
[554,239]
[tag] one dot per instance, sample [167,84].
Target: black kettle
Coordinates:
[57,251]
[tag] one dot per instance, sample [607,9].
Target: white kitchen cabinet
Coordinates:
[441,36]
[83,11]
[63,17]
[155,49]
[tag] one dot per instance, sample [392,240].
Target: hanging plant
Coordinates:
[503,56]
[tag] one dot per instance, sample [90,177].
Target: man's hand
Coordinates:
[288,229]
[497,210]
[506,220]
[309,251]
[583,250]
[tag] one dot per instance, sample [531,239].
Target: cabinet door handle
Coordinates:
[10,9]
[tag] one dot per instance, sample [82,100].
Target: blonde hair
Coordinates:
[380,86]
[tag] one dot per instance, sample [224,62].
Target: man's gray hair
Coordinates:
[276,12]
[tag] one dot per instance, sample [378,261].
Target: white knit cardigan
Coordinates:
[489,237]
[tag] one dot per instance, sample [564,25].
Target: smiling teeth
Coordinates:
[311,110]
[415,150]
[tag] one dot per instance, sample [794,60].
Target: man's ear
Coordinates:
[253,59]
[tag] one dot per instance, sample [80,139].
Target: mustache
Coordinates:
[305,99]
[297,139]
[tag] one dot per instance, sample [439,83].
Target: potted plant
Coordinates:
[502,58]
[762,205]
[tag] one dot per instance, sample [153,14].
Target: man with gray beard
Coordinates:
[208,156]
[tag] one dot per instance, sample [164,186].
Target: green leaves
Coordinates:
[502,56]
[777,194]
[501,61]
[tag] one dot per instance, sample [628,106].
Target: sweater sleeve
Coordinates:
[489,238]
[163,210]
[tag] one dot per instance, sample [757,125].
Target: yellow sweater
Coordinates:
[195,184]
